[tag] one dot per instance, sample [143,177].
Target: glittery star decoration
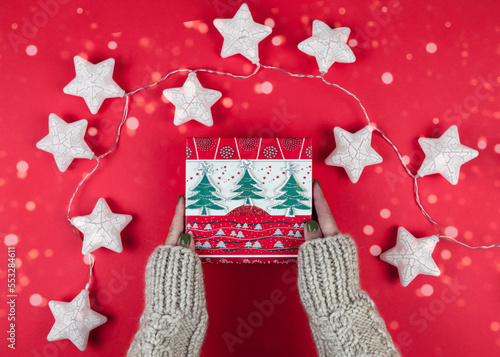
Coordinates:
[65,141]
[101,228]
[205,168]
[245,165]
[445,155]
[290,169]
[353,151]
[94,82]
[242,35]
[192,101]
[412,256]
[74,320]
[328,45]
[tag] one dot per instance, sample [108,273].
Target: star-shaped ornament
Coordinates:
[192,101]
[101,228]
[246,165]
[94,82]
[412,256]
[290,168]
[353,151]
[74,320]
[242,35]
[445,155]
[328,45]
[205,169]
[65,141]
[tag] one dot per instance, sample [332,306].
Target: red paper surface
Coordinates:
[441,63]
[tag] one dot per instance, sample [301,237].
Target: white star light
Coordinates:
[74,320]
[353,151]
[328,45]
[94,83]
[65,141]
[445,155]
[412,256]
[101,228]
[192,101]
[241,34]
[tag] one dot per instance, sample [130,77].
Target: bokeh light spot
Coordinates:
[35,299]
[385,213]
[267,87]
[466,261]
[132,123]
[33,254]
[342,11]
[445,254]
[451,231]
[11,239]
[31,50]
[431,47]
[87,259]
[387,78]
[203,28]
[112,45]
[227,102]
[409,56]
[375,250]
[269,22]
[497,148]
[427,290]
[368,230]
[92,131]
[394,325]
[482,143]
[432,198]
[79,10]
[277,40]
[495,326]
[353,42]
[22,166]
[435,121]
[30,206]
[406,159]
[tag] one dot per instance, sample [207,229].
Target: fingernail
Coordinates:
[179,198]
[312,225]
[314,180]
[185,239]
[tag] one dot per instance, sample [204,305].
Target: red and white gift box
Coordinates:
[247,199]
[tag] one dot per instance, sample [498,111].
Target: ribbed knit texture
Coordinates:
[343,318]
[175,317]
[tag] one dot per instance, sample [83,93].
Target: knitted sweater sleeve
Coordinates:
[343,318]
[175,317]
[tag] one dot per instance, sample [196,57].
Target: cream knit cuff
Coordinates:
[175,317]
[343,318]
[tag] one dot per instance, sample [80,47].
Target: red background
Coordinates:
[144,176]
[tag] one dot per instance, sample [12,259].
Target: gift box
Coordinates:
[247,199]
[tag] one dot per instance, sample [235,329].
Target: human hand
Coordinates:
[325,225]
[176,235]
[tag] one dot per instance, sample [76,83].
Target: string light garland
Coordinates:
[412,256]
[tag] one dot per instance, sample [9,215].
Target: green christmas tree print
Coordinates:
[292,194]
[248,188]
[205,194]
